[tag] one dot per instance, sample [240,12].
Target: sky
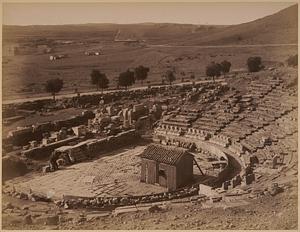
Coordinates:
[191,13]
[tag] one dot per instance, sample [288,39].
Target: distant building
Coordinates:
[170,167]
[52,57]
[9,50]
[125,38]
[92,53]
[57,57]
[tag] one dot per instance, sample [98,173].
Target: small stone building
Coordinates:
[168,166]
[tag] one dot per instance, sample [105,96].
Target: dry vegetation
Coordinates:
[24,75]
[21,72]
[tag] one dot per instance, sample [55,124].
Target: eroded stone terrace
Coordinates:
[243,123]
[258,127]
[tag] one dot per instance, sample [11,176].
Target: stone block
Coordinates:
[125,209]
[48,220]
[206,190]
[249,178]
[27,219]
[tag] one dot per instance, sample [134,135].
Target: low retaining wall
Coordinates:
[112,142]
[103,202]
[45,151]
[108,203]
[93,148]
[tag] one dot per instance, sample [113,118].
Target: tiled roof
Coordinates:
[164,154]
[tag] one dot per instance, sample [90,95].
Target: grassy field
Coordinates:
[25,75]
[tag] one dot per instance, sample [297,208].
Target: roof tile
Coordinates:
[164,154]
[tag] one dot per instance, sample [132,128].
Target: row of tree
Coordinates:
[125,79]
[140,73]
[215,69]
[128,78]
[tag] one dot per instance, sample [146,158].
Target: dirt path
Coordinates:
[69,95]
[266,212]
[221,46]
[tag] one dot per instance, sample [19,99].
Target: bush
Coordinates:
[213,70]
[254,64]
[293,60]
[126,79]
[53,86]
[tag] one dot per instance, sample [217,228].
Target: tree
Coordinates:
[225,66]
[170,76]
[126,79]
[141,73]
[99,79]
[254,64]
[53,86]
[292,60]
[218,69]
[213,70]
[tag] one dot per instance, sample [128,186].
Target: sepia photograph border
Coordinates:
[140,1]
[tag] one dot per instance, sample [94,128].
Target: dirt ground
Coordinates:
[247,211]
[96,178]
[266,212]
[114,174]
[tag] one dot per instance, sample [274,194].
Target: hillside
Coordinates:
[280,27]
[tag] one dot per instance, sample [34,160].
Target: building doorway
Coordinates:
[162,177]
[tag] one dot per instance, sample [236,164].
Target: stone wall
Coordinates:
[36,131]
[45,151]
[108,203]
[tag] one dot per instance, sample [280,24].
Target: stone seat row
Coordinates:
[212,123]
